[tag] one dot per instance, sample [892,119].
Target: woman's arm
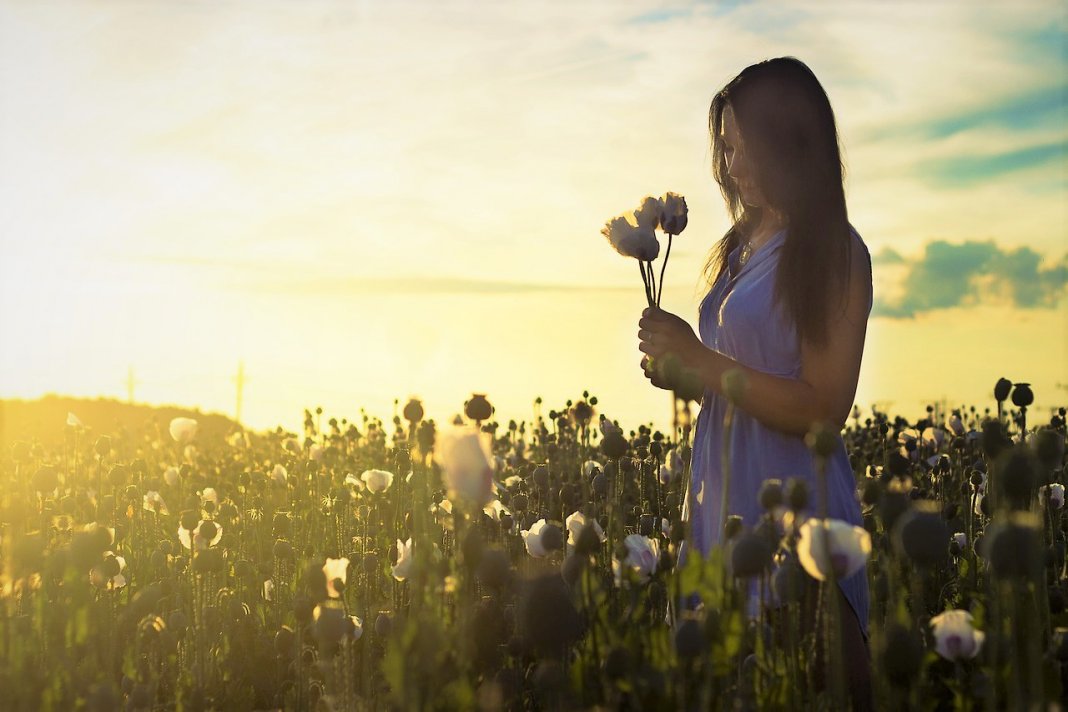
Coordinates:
[829,374]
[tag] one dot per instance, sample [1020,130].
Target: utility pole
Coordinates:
[130,383]
[240,380]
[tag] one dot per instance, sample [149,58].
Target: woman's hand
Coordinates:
[655,375]
[661,333]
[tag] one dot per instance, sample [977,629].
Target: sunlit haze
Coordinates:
[364,201]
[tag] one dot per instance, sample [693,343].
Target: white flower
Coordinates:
[153,502]
[170,476]
[238,438]
[208,494]
[494,510]
[849,547]
[978,509]
[647,216]
[335,569]
[315,452]
[200,541]
[673,213]
[73,421]
[590,467]
[442,506]
[643,557]
[955,425]
[466,458]
[377,480]
[934,437]
[403,568]
[607,426]
[630,240]
[268,590]
[512,481]
[183,429]
[955,638]
[532,538]
[907,434]
[576,523]
[113,583]
[357,627]
[961,538]
[1056,494]
[279,474]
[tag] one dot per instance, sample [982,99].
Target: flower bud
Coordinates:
[1001,389]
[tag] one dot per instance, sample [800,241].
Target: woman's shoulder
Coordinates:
[860,264]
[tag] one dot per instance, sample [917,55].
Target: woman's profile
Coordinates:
[788,303]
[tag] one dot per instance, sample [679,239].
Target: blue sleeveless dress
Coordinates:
[739,319]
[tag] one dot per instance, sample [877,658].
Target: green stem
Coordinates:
[662,268]
[645,281]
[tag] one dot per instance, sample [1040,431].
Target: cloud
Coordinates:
[960,275]
[887,256]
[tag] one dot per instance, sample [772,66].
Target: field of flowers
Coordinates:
[533,565]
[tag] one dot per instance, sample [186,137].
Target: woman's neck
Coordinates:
[770,223]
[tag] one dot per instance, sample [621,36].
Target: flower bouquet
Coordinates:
[634,235]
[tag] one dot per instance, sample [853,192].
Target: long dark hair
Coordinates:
[789,133]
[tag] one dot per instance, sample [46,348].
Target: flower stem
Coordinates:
[645,281]
[652,282]
[662,268]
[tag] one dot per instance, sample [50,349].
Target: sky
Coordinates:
[366,201]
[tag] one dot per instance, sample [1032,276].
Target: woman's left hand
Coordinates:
[661,333]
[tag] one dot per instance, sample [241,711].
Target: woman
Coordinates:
[788,306]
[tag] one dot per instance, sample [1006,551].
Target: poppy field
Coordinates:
[471,564]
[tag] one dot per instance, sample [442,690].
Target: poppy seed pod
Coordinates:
[283,550]
[750,555]
[689,639]
[413,411]
[1022,395]
[478,408]
[1013,546]
[588,541]
[189,520]
[1049,447]
[922,535]
[771,494]
[494,568]
[732,527]
[1001,389]
[541,477]
[614,445]
[891,506]
[822,440]
[545,615]
[1016,476]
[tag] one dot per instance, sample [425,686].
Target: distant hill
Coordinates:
[44,419]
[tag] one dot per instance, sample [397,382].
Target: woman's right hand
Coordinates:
[654,374]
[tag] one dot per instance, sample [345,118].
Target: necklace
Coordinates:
[745,253]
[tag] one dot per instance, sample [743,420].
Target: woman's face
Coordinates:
[738,166]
